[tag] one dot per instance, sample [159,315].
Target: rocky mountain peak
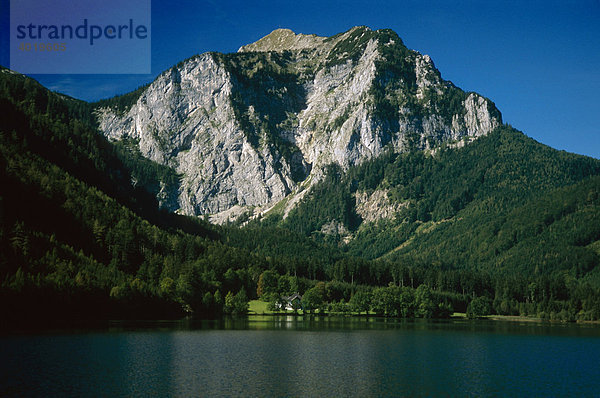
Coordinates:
[282,40]
[251,129]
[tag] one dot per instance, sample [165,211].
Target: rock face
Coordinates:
[251,128]
[376,206]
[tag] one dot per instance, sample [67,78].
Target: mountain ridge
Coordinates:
[259,126]
[283,39]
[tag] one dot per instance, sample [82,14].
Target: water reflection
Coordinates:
[304,356]
[91,364]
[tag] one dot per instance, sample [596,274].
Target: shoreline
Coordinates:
[455,316]
[259,308]
[116,325]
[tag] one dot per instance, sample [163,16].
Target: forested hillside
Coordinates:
[79,239]
[462,207]
[501,225]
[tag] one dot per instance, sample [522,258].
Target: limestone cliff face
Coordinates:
[254,127]
[185,120]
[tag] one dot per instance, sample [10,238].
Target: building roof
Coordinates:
[293,297]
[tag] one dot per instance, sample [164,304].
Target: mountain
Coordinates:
[503,203]
[249,129]
[82,236]
[353,171]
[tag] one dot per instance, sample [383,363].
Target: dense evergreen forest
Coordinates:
[503,225]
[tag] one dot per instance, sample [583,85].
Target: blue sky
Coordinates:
[538,61]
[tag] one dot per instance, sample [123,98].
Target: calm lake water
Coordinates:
[289,356]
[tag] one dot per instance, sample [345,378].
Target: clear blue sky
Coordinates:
[539,61]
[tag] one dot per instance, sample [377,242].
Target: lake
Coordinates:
[288,356]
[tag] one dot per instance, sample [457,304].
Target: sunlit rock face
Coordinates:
[249,129]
